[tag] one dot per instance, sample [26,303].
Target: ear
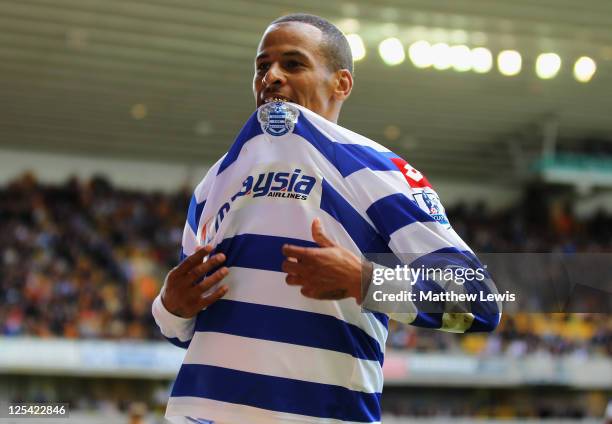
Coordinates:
[343,84]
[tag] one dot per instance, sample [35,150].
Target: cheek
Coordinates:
[319,96]
[311,90]
[257,83]
[322,89]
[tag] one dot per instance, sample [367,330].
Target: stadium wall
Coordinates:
[161,360]
[168,177]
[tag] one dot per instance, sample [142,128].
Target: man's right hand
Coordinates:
[182,295]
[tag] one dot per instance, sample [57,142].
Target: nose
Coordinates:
[274,76]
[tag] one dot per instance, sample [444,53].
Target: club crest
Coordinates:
[277,118]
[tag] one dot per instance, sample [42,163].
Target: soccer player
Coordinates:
[272,320]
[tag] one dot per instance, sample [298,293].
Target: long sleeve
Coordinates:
[407,213]
[176,330]
[387,207]
[179,331]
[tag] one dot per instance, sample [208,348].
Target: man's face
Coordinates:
[290,65]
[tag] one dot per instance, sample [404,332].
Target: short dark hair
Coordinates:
[335,46]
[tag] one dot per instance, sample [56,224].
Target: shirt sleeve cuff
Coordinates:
[170,324]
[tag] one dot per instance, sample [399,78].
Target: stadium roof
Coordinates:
[171,80]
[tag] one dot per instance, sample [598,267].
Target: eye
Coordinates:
[262,67]
[292,64]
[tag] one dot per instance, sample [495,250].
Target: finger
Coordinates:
[307,292]
[294,280]
[292,267]
[334,294]
[213,279]
[298,252]
[207,266]
[319,236]
[193,260]
[213,297]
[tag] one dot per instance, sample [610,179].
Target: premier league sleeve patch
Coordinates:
[277,118]
[428,200]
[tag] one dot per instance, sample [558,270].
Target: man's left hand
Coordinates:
[328,272]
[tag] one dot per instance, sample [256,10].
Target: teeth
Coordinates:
[274,99]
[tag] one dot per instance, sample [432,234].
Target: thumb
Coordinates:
[319,236]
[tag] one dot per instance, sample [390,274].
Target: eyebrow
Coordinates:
[286,54]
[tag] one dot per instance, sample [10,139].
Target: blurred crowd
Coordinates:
[86,259]
[517,335]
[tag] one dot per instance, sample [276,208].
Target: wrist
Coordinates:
[365,277]
[170,309]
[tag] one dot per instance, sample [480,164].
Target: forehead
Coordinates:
[291,36]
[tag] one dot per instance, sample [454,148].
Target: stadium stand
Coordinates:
[84,260]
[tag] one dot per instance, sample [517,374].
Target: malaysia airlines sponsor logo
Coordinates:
[294,185]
